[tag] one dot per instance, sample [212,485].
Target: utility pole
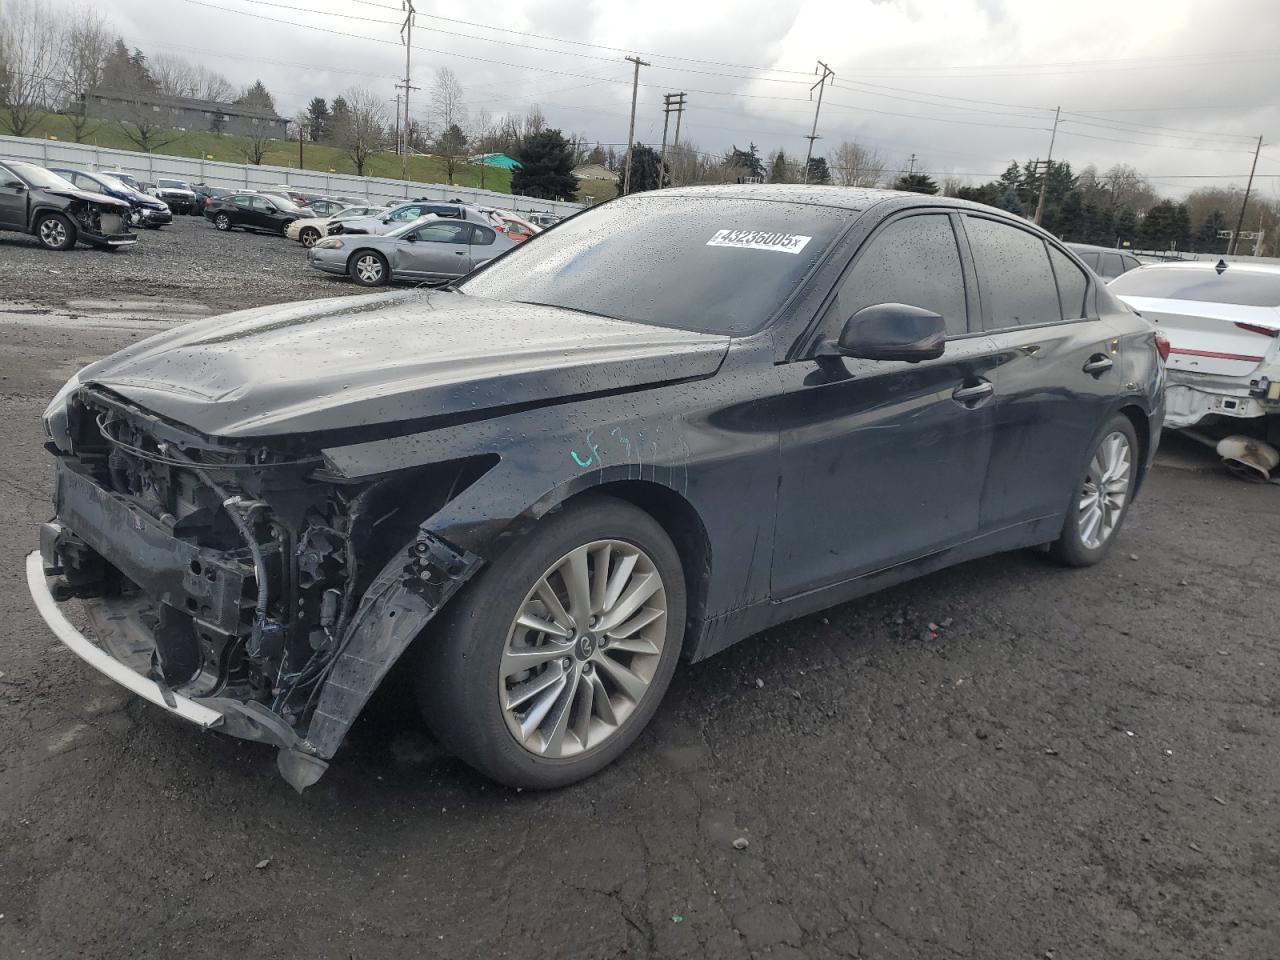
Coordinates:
[301,130]
[399,142]
[1235,239]
[406,34]
[911,165]
[631,133]
[671,103]
[1048,165]
[827,74]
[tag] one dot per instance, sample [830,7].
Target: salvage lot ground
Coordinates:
[1072,765]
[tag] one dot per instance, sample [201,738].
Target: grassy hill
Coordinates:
[280,153]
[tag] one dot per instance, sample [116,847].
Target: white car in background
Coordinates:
[1222,321]
[307,231]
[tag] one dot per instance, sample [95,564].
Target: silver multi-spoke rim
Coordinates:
[583,649]
[309,238]
[369,269]
[1106,487]
[53,232]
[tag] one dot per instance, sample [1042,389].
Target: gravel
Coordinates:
[188,263]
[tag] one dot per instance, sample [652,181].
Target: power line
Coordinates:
[1139,143]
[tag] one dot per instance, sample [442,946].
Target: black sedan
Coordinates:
[668,423]
[253,211]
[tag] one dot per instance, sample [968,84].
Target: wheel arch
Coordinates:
[681,522]
[1137,416]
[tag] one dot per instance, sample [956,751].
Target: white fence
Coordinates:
[244,176]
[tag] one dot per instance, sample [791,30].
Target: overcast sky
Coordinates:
[965,85]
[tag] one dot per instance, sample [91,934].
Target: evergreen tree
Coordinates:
[318,119]
[647,172]
[257,96]
[1207,239]
[546,167]
[339,119]
[747,160]
[1125,229]
[916,183]
[779,169]
[818,172]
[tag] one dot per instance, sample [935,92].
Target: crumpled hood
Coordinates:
[382,358]
[72,193]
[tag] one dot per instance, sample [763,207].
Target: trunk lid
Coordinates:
[1206,337]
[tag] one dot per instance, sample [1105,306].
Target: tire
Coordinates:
[465,682]
[309,236]
[369,268]
[1097,500]
[54,231]
[284,228]
[222,222]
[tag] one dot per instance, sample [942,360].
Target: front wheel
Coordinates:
[369,269]
[552,661]
[55,232]
[222,222]
[309,236]
[1102,496]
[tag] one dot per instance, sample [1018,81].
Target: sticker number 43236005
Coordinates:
[759,240]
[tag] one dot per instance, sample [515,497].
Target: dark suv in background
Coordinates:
[35,201]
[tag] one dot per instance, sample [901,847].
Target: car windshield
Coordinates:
[1246,288]
[709,264]
[39,176]
[399,232]
[111,182]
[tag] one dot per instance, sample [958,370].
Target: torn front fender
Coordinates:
[408,592]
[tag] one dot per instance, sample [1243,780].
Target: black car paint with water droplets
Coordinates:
[263,511]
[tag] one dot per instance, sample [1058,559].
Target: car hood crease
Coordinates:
[382,358]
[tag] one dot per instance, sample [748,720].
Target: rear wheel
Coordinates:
[309,236]
[1102,496]
[368,268]
[222,222]
[55,231]
[553,660]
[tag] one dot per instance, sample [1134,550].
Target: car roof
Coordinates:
[1093,248]
[855,199]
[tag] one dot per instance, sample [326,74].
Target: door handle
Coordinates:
[972,395]
[1098,365]
[459,253]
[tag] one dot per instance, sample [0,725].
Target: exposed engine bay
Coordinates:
[246,577]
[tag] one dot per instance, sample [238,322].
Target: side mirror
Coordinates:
[15,185]
[412,237]
[891,331]
[270,208]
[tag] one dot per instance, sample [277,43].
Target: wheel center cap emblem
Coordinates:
[585,647]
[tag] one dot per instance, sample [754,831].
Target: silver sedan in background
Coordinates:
[430,250]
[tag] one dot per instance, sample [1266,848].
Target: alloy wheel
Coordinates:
[1106,488]
[583,649]
[53,233]
[369,269]
[309,238]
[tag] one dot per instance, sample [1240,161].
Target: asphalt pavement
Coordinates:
[1003,760]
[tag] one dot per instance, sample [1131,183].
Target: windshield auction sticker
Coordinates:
[759,240]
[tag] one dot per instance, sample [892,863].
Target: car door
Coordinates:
[264,214]
[883,462]
[13,199]
[240,208]
[1058,369]
[485,245]
[440,252]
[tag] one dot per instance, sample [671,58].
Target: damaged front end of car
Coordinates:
[101,221]
[243,585]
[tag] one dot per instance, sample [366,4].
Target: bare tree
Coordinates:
[481,139]
[85,43]
[30,47]
[254,148]
[361,129]
[856,166]
[144,128]
[450,115]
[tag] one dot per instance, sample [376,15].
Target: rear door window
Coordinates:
[1072,285]
[1015,279]
[437,232]
[1111,266]
[913,261]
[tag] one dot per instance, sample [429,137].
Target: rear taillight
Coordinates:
[1255,328]
[1162,346]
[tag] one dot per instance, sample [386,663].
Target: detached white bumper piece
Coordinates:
[103,662]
